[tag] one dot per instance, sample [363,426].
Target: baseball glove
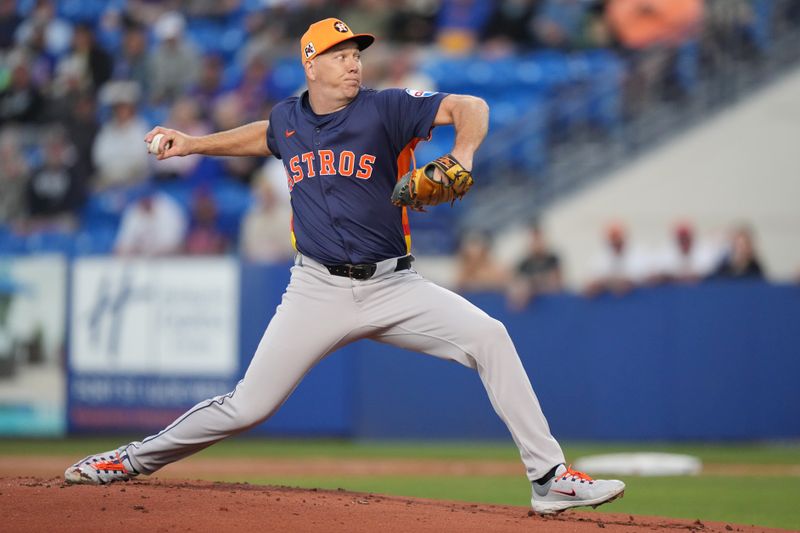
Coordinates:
[419,188]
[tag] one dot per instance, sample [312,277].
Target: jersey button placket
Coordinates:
[316,136]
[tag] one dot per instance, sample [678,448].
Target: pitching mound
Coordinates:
[38,504]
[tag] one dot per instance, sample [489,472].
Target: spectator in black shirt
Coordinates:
[55,191]
[9,22]
[96,64]
[538,273]
[510,25]
[21,101]
[741,261]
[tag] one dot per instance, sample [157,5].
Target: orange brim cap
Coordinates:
[325,34]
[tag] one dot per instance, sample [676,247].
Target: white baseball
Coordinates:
[155,143]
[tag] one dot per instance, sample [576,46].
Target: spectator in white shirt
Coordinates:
[685,260]
[155,225]
[266,231]
[119,153]
[619,268]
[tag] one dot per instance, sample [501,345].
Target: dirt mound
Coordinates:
[38,504]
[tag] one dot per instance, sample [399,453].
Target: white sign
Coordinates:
[144,316]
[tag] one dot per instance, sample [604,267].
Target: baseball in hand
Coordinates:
[155,144]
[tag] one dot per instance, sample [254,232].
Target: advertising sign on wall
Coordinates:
[150,338]
[32,323]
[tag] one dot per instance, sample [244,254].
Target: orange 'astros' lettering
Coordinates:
[327,163]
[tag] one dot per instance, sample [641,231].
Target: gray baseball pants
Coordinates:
[320,313]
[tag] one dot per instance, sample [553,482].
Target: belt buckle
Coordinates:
[361,272]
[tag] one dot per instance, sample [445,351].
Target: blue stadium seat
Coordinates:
[441,143]
[233,200]
[554,68]
[432,231]
[286,78]
[51,242]
[96,240]
[84,10]
[10,242]
[231,40]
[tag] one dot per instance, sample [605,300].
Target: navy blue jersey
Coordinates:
[342,167]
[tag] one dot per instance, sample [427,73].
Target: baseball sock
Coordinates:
[548,476]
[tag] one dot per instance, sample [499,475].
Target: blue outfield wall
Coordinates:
[716,361]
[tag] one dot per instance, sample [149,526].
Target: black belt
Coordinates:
[366,270]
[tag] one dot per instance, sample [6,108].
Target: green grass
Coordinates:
[760,500]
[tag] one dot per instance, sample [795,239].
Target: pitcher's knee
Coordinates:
[490,331]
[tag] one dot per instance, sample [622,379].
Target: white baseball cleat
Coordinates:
[570,488]
[102,468]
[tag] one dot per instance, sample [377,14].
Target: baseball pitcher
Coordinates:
[347,151]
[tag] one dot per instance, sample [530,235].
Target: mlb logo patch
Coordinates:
[420,94]
[309,50]
[341,27]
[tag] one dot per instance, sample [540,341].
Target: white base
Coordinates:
[640,464]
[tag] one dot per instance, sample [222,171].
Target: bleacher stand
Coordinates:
[551,76]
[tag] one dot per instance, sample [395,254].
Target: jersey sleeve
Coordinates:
[271,143]
[408,113]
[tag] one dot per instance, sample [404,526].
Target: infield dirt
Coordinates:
[156,505]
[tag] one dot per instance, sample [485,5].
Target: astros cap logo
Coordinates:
[325,34]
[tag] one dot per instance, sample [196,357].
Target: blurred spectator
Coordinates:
[266,233]
[185,117]
[477,271]
[209,84]
[274,172]
[56,33]
[93,64]
[82,128]
[509,26]
[20,102]
[119,153]
[147,12]
[55,190]
[14,175]
[413,21]
[154,225]
[369,15]
[561,23]
[641,24]
[9,22]
[204,236]
[210,8]
[741,260]
[175,64]
[252,91]
[538,273]
[619,268]
[131,64]
[69,84]
[267,37]
[460,24]
[41,63]
[685,260]
[298,16]
[400,71]
[651,33]
[730,32]
[229,113]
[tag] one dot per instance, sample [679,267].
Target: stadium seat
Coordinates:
[51,242]
[95,240]
[286,78]
[11,242]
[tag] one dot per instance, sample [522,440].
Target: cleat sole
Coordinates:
[563,506]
